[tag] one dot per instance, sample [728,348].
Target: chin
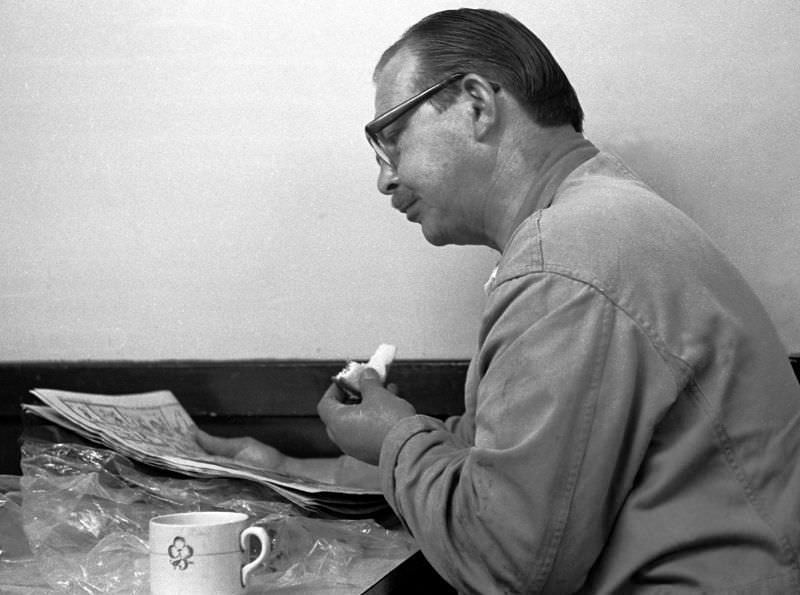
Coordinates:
[435,237]
[442,240]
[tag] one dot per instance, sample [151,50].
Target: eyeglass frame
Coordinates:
[373,128]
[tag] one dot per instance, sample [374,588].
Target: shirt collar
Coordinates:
[555,170]
[558,165]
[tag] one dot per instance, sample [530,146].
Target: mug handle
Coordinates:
[262,536]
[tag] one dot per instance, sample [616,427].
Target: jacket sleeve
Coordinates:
[570,390]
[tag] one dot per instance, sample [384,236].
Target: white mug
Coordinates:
[202,553]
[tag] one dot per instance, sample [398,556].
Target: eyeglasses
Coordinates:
[374,128]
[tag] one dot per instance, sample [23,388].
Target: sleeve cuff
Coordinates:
[395,441]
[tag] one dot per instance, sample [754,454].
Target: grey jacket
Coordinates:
[631,424]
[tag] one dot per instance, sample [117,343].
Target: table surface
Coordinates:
[19,568]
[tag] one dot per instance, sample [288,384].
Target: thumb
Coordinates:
[369,377]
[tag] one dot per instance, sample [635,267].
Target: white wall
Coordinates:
[190,179]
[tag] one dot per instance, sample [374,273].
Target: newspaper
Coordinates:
[154,428]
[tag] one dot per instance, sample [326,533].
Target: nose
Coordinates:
[387,179]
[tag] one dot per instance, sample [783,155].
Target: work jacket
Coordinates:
[631,423]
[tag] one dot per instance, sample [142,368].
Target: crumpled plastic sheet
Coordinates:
[77,522]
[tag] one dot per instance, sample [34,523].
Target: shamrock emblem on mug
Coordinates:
[179,553]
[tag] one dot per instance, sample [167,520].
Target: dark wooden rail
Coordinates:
[273,400]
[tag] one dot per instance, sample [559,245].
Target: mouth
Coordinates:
[411,213]
[405,205]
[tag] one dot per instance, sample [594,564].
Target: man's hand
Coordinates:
[244,450]
[359,429]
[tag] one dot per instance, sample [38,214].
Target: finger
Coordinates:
[202,437]
[392,388]
[369,378]
[227,447]
[330,404]
[335,392]
[330,435]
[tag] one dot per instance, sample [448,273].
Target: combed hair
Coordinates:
[498,47]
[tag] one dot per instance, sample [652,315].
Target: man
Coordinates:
[631,420]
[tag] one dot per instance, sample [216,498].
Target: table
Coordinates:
[87,526]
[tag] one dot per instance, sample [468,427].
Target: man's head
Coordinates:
[498,47]
[469,102]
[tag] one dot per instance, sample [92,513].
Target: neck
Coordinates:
[532,173]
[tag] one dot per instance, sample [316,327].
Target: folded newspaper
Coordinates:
[154,428]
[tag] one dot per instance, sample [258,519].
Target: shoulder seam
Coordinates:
[658,343]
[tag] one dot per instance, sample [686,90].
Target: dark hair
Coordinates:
[498,47]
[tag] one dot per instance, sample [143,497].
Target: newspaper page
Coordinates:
[155,429]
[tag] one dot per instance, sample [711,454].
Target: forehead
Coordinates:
[396,81]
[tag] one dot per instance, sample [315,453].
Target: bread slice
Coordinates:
[347,378]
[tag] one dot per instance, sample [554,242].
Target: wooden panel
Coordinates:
[272,400]
[299,436]
[232,387]
[9,444]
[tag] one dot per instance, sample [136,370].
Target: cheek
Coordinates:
[435,165]
[433,170]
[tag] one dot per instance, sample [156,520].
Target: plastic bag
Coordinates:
[18,573]
[85,514]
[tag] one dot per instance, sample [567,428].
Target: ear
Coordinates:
[483,102]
